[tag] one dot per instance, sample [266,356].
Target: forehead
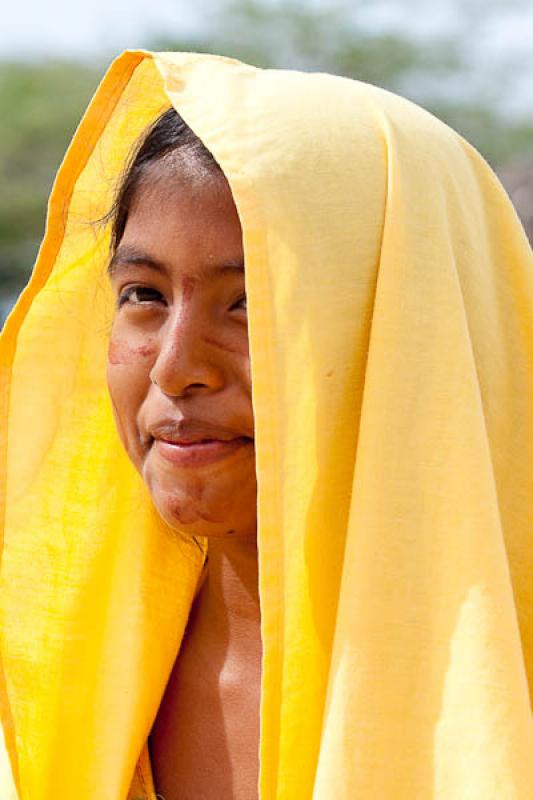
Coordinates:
[185,224]
[176,201]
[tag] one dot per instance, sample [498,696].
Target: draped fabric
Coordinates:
[142,785]
[390,306]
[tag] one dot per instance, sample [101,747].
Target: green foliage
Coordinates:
[326,38]
[498,140]
[40,106]
[41,103]
[330,37]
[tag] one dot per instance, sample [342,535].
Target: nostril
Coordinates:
[171,387]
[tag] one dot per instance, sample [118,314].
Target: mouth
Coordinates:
[193,441]
[199,452]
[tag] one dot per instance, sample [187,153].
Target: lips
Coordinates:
[196,454]
[192,442]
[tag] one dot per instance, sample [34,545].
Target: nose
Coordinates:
[185,363]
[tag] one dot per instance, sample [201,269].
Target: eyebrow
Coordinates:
[128,256]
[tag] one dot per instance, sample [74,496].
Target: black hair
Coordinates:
[168,134]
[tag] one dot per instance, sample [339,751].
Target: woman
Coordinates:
[382,365]
[179,381]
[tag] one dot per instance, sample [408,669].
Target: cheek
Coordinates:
[128,381]
[124,354]
[236,350]
[235,347]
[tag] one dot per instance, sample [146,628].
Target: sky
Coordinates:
[88,29]
[102,28]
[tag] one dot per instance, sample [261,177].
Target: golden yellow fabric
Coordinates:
[142,786]
[390,296]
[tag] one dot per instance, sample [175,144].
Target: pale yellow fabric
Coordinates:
[390,295]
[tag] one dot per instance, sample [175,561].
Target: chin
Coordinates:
[189,518]
[204,505]
[205,530]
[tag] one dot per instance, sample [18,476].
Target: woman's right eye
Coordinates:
[138,295]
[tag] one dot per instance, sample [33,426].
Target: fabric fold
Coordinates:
[390,302]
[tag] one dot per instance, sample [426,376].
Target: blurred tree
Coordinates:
[40,104]
[326,38]
[518,180]
[433,70]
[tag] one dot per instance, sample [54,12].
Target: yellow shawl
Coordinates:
[390,296]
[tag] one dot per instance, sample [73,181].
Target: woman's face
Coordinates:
[178,363]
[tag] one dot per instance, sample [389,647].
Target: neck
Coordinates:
[229,596]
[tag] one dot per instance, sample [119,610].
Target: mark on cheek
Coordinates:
[186,512]
[241,351]
[187,286]
[187,291]
[121,352]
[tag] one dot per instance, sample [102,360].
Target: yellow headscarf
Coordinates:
[390,297]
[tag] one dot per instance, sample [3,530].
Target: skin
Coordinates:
[179,348]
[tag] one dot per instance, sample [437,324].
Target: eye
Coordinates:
[138,295]
[240,303]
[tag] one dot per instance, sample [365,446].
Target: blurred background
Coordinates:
[470,62]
